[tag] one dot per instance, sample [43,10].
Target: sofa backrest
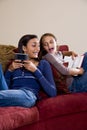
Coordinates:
[63,48]
[6,54]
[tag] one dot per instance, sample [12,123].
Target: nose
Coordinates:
[38,48]
[49,45]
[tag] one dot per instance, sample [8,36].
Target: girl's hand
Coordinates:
[81,71]
[15,65]
[30,66]
[76,71]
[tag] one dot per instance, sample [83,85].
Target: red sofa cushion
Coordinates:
[13,117]
[62,105]
[60,80]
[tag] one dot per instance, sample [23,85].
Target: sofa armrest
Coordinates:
[63,48]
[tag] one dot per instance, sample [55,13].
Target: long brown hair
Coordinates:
[42,50]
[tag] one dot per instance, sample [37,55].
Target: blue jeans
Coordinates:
[11,97]
[80,82]
[84,64]
[20,97]
[3,85]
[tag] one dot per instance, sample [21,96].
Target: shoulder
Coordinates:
[44,66]
[44,62]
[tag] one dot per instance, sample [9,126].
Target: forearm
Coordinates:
[59,66]
[48,87]
[75,71]
[67,53]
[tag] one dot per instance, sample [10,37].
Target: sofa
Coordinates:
[66,111]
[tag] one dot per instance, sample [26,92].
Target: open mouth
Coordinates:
[51,49]
[35,53]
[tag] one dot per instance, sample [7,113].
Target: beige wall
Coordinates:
[67,19]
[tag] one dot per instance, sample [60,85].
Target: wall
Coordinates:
[67,19]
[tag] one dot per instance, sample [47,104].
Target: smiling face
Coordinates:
[49,44]
[32,48]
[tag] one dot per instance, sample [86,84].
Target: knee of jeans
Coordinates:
[30,99]
[30,103]
[33,103]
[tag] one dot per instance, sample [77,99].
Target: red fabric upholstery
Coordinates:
[64,112]
[76,121]
[63,48]
[58,106]
[60,81]
[13,117]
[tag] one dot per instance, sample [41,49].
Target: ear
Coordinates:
[24,48]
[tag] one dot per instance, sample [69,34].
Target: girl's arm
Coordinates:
[61,68]
[8,74]
[56,63]
[69,53]
[45,78]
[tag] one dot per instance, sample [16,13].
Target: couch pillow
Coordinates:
[60,81]
[6,54]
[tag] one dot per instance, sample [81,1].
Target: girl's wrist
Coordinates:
[10,68]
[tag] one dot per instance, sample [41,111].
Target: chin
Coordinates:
[51,52]
[35,57]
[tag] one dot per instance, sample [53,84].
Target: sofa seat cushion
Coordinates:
[62,105]
[13,117]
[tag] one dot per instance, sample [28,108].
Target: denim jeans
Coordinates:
[80,82]
[3,85]
[20,97]
[84,64]
[11,97]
